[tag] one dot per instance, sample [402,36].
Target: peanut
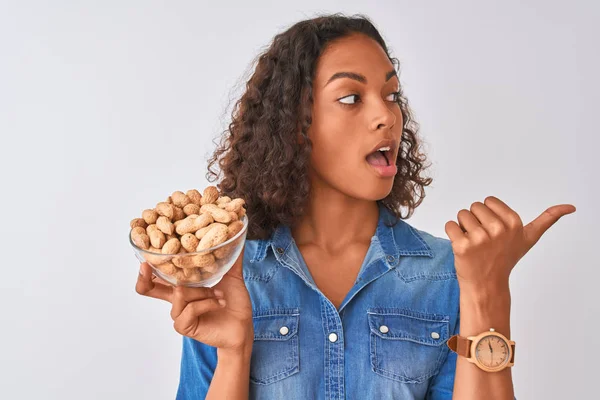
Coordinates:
[180,199]
[167,268]
[176,223]
[210,195]
[150,216]
[157,238]
[165,225]
[217,213]
[165,209]
[186,261]
[191,209]
[178,213]
[189,272]
[194,196]
[140,239]
[209,270]
[153,258]
[189,242]
[138,222]
[234,205]
[202,231]
[223,200]
[171,236]
[203,260]
[233,229]
[193,222]
[183,261]
[234,216]
[216,235]
[189,275]
[138,230]
[172,246]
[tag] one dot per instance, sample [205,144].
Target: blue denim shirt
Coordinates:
[387,340]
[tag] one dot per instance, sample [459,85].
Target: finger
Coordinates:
[147,287]
[467,221]
[157,279]
[182,296]
[509,217]
[187,321]
[455,234]
[490,220]
[154,277]
[536,228]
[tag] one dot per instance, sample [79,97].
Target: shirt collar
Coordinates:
[399,240]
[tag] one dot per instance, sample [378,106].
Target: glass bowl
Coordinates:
[204,268]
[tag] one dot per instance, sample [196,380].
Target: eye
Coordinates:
[395,100]
[348,104]
[396,96]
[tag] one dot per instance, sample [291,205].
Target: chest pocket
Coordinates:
[275,349]
[406,345]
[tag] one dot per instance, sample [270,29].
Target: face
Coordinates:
[352,113]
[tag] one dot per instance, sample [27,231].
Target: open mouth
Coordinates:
[380,157]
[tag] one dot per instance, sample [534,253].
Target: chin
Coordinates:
[375,188]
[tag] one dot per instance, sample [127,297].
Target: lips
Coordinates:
[378,158]
[390,155]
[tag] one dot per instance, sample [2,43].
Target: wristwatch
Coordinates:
[491,351]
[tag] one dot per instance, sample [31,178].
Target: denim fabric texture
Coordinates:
[386,341]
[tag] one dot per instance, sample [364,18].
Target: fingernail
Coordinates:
[218,293]
[222,302]
[141,272]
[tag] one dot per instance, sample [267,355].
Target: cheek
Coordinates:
[336,149]
[340,162]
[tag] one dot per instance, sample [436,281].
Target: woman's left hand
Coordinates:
[491,239]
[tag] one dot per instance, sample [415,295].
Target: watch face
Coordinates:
[492,351]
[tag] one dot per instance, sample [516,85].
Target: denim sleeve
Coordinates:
[198,364]
[442,385]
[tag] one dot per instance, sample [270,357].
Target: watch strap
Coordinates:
[460,345]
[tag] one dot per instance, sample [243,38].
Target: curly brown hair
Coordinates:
[259,154]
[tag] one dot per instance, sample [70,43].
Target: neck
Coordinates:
[332,221]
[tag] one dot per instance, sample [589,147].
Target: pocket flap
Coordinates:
[428,329]
[281,326]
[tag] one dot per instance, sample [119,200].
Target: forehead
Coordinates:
[356,53]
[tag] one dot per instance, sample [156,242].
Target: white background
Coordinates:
[107,107]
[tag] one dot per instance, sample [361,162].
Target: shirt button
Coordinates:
[284,330]
[333,337]
[384,329]
[390,259]
[435,335]
[280,250]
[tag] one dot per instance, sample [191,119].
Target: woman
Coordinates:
[334,295]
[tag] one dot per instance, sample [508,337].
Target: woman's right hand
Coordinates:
[197,313]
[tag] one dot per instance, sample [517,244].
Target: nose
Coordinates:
[383,117]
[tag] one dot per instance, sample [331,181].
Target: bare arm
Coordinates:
[480,311]
[231,380]
[487,245]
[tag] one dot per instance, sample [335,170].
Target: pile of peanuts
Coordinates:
[189,223]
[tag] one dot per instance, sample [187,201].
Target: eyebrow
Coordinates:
[358,77]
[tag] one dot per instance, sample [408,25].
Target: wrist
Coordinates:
[242,351]
[233,356]
[484,295]
[484,308]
